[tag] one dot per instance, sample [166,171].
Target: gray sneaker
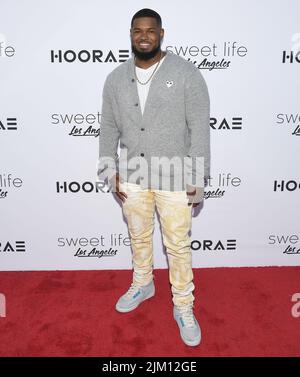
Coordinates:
[134,296]
[190,331]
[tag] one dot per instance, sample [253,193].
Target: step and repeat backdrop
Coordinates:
[54,58]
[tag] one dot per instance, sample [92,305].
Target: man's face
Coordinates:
[146,37]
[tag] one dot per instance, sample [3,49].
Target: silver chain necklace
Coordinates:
[144,83]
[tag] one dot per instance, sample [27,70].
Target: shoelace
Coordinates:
[133,289]
[188,316]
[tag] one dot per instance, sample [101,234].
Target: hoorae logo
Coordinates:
[211,56]
[289,243]
[217,186]
[89,56]
[290,120]
[6,51]
[79,124]
[7,182]
[234,123]
[12,246]
[290,57]
[94,247]
[8,124]
[284,185]
[212,245]
[293,55]
[75,187]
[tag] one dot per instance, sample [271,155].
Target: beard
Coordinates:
[145,55]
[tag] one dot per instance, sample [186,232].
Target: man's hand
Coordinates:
[194,194]
[115,184]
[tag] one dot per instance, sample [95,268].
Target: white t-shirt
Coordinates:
[143,75]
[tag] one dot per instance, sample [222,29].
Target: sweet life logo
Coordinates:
[6,51]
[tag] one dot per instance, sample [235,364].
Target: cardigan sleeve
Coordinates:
[109,136]
[197,109]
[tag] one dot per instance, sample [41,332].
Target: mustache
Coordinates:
[142,55]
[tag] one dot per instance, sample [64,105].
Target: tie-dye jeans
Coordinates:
[175,218]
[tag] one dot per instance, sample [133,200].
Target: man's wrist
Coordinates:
[195,194]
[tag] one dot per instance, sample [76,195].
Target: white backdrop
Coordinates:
[51,215]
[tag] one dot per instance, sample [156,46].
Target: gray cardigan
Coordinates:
[174,125]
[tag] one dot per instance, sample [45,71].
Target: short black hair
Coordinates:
[147,13]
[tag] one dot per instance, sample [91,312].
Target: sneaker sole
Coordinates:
[126,310]
[191,343]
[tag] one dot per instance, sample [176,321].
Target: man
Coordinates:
[157,105]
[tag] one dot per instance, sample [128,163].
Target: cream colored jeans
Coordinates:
[175,217]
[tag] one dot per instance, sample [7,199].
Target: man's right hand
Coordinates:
[115,184]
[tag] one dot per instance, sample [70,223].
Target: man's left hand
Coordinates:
[194,194]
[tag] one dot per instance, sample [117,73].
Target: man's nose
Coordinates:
[144,35]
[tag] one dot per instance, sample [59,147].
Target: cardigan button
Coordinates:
[142,154]
[132,80]
[142,129]
[136,104]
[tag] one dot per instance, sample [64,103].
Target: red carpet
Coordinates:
[242,312]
